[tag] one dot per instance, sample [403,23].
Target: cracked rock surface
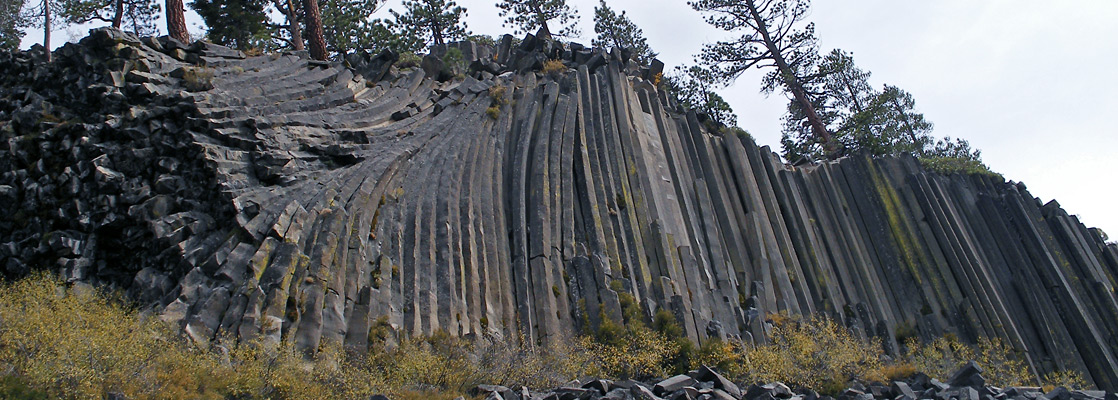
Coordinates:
[277,197]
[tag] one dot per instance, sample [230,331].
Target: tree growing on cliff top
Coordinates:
[617,30]
[693,87]
[862,119]
[240,24]
[12,22]
[346,24]
[44,16]
[316,41]
[529,16]
[434,21]
[771,38]
[134,15]
[176,21]
[291,12]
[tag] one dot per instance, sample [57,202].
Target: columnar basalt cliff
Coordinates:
[277,197]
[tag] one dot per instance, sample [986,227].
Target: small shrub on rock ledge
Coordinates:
[953,165]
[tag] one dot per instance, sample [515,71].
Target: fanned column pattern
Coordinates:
[511,201]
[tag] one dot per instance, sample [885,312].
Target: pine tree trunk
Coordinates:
[908,125]
[118,17]
[791,81]
[540,17]
[176,21]
[315,40]
[853,95]
[46,28]
[293,26]
[436,27]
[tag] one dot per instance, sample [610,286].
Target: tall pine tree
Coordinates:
[138,16]
[770,38]
[693,88]
[530,16]
[290,10]
[316,41]
[435,21]
[865,120]
[44,16]
[346,24]
[240,24]
[617,30]
[176,21]
[12,22]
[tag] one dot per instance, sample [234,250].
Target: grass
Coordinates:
[59,341]
[77,342]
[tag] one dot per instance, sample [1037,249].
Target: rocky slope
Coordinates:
[274,196]
[967,383]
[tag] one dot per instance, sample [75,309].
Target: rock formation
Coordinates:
[279,197]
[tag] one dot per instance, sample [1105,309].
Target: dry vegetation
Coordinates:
[554,68]
[198,79]
[77,342]
[497,98]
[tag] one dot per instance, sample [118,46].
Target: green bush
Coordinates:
[455,62]
[408,60]
[482,39]
[14,387]
[953,165]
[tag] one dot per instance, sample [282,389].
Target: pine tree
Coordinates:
[135,15]
[176,21]
[436,21]
[291,13]
[43,16]
[240,24]
[616,30]
[530,16]
[878,123]
[693,88]
[346,25]
[388,34]
[895,125]
[315,39]
[770,39]
[12,22]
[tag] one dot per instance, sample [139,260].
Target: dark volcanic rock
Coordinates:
[286,198]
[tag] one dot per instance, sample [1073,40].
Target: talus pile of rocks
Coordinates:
[707,384]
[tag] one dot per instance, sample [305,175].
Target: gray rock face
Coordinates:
[307,200]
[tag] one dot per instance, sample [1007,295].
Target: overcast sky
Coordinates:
[1029,82]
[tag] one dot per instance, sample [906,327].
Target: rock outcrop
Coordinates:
[278,197]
